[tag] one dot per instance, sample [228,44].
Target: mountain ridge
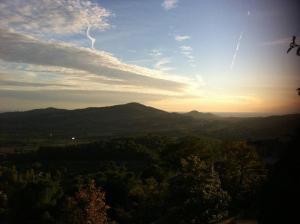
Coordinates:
[136,118]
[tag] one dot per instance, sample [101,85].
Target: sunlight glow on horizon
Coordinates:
[210,56]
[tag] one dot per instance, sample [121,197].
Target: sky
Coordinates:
[176,55]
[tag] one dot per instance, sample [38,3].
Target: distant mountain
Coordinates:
[135,118]
[113,120]
[200,115]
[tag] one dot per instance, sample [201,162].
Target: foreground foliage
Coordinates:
[149,179]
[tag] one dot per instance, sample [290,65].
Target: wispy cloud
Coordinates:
[155,53]
[30,84]
[200,80]
[52,16]
[182,37]
[48,18]
[163,64]
[187,51]
[21,48]
[169,4]
[281,41]
[186,48]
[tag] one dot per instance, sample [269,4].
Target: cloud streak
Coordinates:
[19,48]
[187,51]
[180,38]
[169,4]
[163,64]
[30,84]
[282,41]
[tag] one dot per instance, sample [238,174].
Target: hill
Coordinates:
[200,115]
[135,118]
[113,120]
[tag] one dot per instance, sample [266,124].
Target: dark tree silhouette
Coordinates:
[293,45]
[196,194]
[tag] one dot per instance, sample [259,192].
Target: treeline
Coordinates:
[149,179]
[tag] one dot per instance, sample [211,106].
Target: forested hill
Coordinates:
[119,119]
[135,118]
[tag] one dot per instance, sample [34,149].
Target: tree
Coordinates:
[88,206]
[242,173]
[196,195]
[34,201]
[148,200]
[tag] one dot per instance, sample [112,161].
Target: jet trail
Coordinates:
[93,40]
[238,45]
[236,50]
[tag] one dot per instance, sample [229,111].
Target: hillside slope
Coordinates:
[135,118]
[119,119]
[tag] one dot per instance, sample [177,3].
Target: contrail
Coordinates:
[93,40]
[236,50]
[238,45]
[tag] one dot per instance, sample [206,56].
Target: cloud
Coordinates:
[281,41]
[155,53]
[186,48]
[182,37]
[52,16]
[162,64]
[29,84]
[169,4]
[199,81]
[187,51]
[19,48]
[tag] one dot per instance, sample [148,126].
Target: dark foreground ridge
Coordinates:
[135,118]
